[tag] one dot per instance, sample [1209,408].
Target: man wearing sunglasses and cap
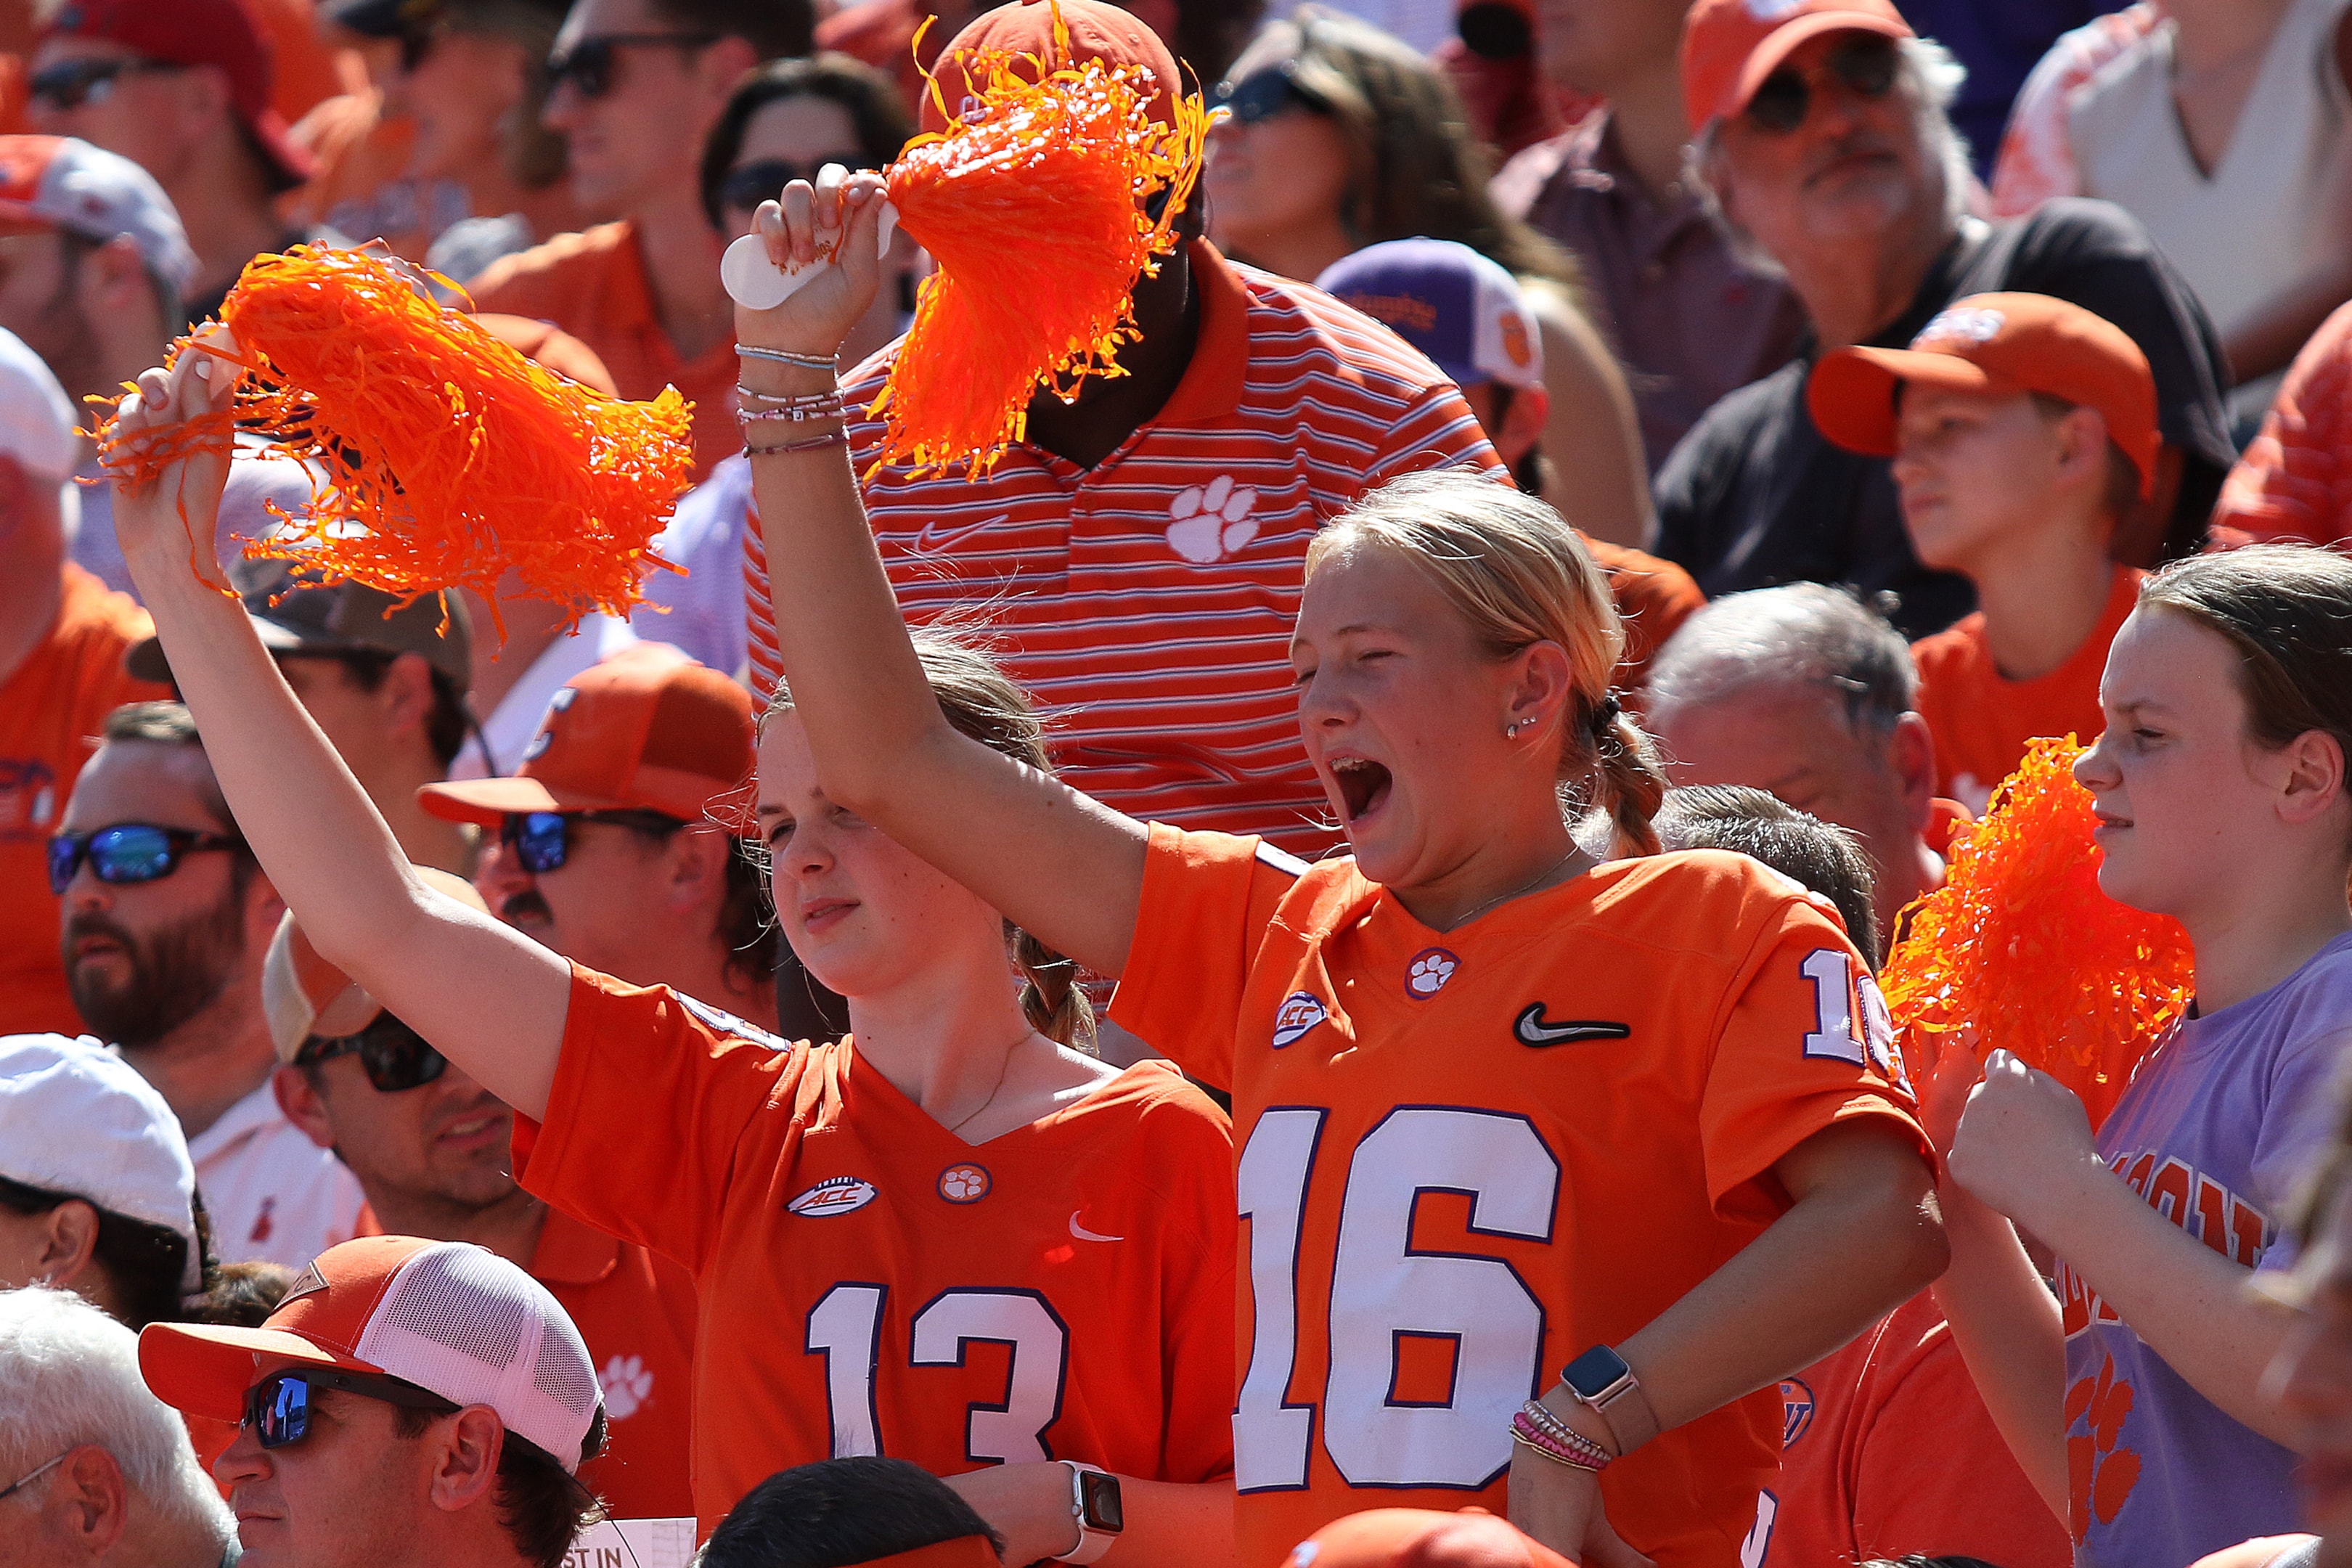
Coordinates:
[409,1403]
[429,1146]
[634,86]
[1823,131]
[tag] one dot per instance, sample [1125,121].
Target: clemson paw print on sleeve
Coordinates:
[626,1386]
[1212,522]
[2100,1476]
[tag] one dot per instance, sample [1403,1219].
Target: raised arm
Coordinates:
[1063,866]
[485,996]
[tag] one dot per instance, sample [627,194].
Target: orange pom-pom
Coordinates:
[449,458]
[1034,212]
[2020,946]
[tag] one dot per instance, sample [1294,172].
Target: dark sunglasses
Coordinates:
[279,1407]
[588,64]
[1263,94]
[394,1056]
[69,84]
[744,188]
[128,852]
[1866,65]
[541,840]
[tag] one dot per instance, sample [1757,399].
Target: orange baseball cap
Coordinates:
[449,1317]
[2000,344]
[1730,46]
[1098,31]
[647,729]
[1421,1538]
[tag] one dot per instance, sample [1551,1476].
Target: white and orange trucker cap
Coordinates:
[303,995]
[454,1318]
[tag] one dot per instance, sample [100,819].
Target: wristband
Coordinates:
[1096,1508]
[1539,1414]
[814,444]
[784,356]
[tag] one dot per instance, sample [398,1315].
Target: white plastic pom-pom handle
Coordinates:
[756,283]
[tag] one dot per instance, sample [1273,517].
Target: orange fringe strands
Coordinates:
[1033,213]
[451,459]
[2021,946]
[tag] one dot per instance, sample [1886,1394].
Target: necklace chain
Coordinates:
[1003,1067]
[1526,886]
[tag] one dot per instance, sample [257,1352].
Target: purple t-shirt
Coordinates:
[2216,1131]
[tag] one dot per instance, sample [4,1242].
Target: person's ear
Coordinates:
[406,694]
[1522,426]
[2310,773]
[465,1467]
[206,100]
[68,1242]
[1543,687]
[720,67]
[2082,436]
[304,1106]
[695,868]
[112,285]
[1911,755]
[89,1499]
[263,910]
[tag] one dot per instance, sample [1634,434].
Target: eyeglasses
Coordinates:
[69,84]
[747,185]
[128,852]
[279,1406]
[14,1488]
[1865,65]
[1263,94]
[541,840]
[394,1056]
[588,64]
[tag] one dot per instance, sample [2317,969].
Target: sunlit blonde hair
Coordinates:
[1518,575]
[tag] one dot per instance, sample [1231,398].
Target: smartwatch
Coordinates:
[1095,1505]
[1601,1380]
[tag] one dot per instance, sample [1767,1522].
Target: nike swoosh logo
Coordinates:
[1532,1028]
[933,535]
[1083,1234]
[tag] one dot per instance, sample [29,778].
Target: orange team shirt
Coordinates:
[871,1284]
[51,711]
[593,285]
[1655,597]
[1147,602]
[1468,1157]
[1981,719]
[2294,485]
[1891,1452]
[636,1311]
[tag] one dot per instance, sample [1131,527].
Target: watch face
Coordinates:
[1591,1373]
[1099,1496]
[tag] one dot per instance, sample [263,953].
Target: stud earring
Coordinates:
[1511,731]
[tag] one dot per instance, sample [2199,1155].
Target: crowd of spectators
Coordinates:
[1598,499]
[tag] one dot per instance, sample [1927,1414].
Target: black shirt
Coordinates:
[1755,495]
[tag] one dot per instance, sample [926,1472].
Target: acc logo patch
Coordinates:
[965,1183]
[1300,1012]
[1796,1411]
[1427,975]
[834,1194]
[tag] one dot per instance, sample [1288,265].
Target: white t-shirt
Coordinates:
[272,1192]
[509,726]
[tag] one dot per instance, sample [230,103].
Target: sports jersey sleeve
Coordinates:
[1207,899]
[1437,431]
[1804,1043]
[651,1093]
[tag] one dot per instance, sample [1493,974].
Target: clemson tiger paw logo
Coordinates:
[964,1183]
[626,1384]
[2100,1476]
[1211,520]
[1427,975]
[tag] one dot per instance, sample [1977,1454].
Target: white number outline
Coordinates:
[1270,1429]
[874,1295]
[960,1341]
[1832,1039]
[863,1303]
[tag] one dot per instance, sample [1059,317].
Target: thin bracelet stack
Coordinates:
[762,408]
[783,356]
[1537,1428]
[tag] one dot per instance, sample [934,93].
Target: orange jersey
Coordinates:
[1981,719]
[1468,1157]
[51,711]
[871,1284]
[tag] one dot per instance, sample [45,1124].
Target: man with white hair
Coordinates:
[1805,693]
[62,636]
[95,1469]
[1822,133]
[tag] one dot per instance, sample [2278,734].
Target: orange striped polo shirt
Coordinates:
[1147,602]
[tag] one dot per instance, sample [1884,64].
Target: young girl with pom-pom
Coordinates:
[2132,1396]
[1506,1109]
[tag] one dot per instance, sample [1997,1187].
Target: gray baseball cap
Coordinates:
[295,611]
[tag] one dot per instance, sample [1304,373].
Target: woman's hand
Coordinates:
[1029,1505]
[1560,1505]
[180,505]
[836,218]
[1956,1073]
[2024,1145]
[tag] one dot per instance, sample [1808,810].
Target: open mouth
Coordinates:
[1363,786]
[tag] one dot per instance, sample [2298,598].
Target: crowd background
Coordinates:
[1880,385]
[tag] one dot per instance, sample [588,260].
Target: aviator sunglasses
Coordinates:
[279,1407]
[1865,65]
[588,64]
[128,852]
[541,840]
[394,1056]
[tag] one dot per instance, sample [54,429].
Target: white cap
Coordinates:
[65,182]
[36,418]
[75,1118]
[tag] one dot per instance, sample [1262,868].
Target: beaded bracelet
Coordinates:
[1538,1415]
[814,444]
[1532,1438]
[747,417]
[797,400]
[783,356]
